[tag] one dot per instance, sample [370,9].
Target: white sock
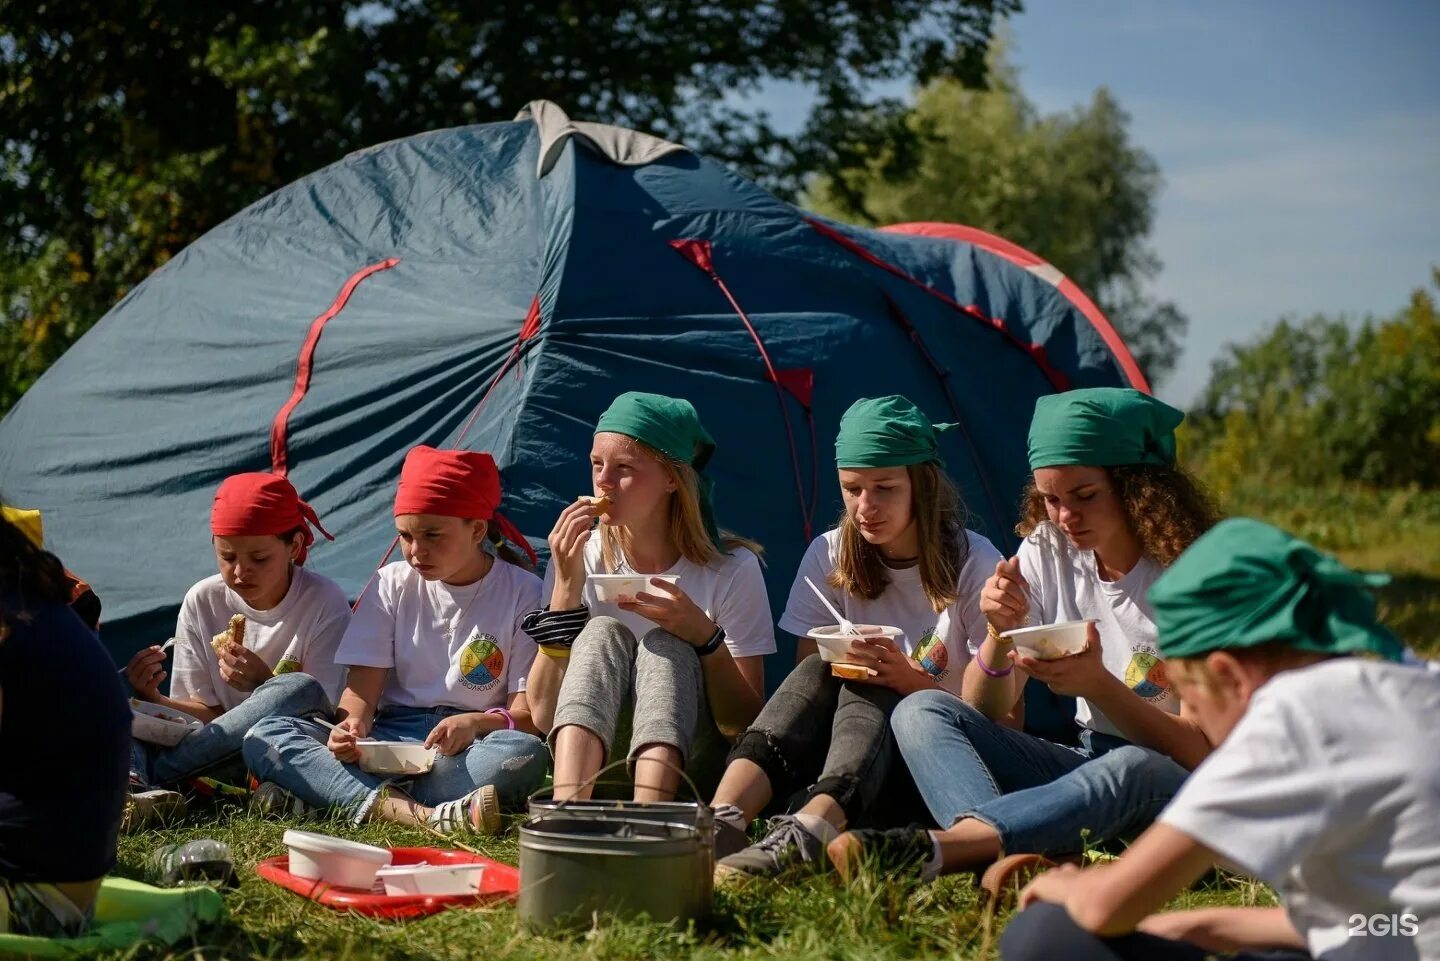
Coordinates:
[931,870]
[818,826]
[731,815]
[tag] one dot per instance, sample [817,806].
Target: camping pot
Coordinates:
[573,865]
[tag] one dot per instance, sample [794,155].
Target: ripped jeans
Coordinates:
[292,753]
[819,734]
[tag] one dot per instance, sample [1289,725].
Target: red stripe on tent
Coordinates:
[698,252]
[1057,378]
[303,368]
[1067,287]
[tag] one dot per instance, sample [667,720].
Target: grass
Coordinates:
[878,918]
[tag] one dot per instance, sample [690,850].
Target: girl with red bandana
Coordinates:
[436,656]
[285,663]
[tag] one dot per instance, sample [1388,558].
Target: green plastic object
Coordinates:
[128,912]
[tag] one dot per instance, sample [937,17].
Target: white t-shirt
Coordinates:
[1329,790]
[301,633]
[730,590]
[1066,586]
[445,646]
[940,642]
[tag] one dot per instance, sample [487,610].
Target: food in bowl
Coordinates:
[162,726]
[1050,642]
[609,588]
[435,879]
[234,633]
[345,864]
[834,642]
[395,757]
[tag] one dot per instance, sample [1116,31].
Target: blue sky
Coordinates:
[1299,141]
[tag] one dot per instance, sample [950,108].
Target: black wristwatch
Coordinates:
[712,645]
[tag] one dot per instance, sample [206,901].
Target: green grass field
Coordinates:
[879,918]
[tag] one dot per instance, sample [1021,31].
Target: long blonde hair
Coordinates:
[939,515]
[686,523]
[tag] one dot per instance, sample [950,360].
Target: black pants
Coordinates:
[1045,932]
[821,735]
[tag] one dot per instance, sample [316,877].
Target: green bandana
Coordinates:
[1245,583]
[671,426]
[1102,427]
[887,432]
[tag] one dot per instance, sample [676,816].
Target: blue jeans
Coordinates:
[215,748]
[1043,932]
[1041,798]
[293,754]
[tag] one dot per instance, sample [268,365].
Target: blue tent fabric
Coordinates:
[124,440]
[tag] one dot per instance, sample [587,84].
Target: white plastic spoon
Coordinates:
[840,619]
[163,648]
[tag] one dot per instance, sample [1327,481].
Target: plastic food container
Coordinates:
[401,879]
[346,864]
[164,726]
[1049,642]
[609,588]
[395,757]
[834,643]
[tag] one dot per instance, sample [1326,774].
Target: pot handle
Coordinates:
[595,779]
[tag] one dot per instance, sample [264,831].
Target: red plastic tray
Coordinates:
[500,882]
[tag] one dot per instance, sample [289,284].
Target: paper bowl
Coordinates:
[1050,642]
[395,757]
[609,588]
[834,643]
[438,879]
[164,726]
[345,864]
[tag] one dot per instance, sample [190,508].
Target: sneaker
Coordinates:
[786,847]
[729,839]
[270,800]
[889,852]
[478,812]
[152,807]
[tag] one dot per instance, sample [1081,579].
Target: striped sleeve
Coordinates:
[555,628]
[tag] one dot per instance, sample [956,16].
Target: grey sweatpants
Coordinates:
[635,693]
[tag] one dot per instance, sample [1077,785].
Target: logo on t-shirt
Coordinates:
[932,655]
[482,663]
[1145,674]
[287,665]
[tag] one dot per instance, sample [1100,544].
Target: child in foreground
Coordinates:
[1325,785]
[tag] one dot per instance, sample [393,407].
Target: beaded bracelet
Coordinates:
[509,718]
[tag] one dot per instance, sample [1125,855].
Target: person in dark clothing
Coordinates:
[66,765]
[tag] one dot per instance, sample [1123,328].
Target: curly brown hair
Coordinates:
[1165,505]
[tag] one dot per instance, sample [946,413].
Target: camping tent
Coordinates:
[494,287]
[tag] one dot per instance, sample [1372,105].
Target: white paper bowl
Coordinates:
[1050,642]
[834,643]
[609,588]
[431,878]
[164,726]
[345,864]
[395,757]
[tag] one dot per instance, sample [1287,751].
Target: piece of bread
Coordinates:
[601,504]
[850,672]
[234,633]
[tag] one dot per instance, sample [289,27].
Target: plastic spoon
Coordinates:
[845,625]
[163,648]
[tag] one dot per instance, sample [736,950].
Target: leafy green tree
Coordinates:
[1071,187]
[129,127]
[1324,401]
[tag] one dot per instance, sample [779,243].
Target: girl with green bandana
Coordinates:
[901,557]
[1320,785]
[1106,510]
[664,677]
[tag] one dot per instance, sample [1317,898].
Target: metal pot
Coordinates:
[583,858]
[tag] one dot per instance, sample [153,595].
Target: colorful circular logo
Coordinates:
[1145,675]
[482,663]
[287,665]
[932,654]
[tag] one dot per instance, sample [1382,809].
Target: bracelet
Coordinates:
[991,671]
[712,645]
[560,653]
[509,718]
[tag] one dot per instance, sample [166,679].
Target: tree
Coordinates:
[1325,401]
[128,129]
[1070,187]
